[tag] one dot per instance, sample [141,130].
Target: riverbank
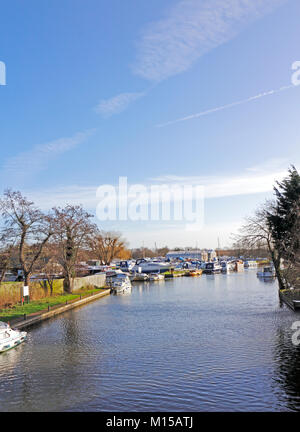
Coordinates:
[291,298]
[39,310]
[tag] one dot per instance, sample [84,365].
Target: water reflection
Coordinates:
[266,280]
[287,368]
[214,342]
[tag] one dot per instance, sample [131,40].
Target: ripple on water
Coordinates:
[190,344]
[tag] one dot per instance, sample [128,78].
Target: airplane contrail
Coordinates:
[223,107]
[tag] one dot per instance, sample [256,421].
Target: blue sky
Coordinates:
[95,90]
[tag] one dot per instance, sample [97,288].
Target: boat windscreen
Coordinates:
[3,325]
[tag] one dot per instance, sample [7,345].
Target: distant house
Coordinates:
[198,254]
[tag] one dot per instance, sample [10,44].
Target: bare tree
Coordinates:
[124,254]
[27,227]
[162,251]
[73,230]
[5,260]
[142,253]
[255,234]
[49,267]
[107,245]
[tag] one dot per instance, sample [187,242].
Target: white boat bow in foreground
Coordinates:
[10,338]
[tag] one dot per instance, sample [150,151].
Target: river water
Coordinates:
[208,343]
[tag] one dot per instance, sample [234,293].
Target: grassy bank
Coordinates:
[17,311]
[10,292]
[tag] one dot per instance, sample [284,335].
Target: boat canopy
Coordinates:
[3,326]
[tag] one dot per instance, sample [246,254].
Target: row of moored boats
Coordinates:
[144,270]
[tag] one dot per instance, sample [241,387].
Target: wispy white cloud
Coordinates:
[117,104]
[272,165]
[191,29]
[224,107]
[35,160]
[172,234]
[63,195]
[255,180]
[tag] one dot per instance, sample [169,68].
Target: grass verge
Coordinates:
[37,306]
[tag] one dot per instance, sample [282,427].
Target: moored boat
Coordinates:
[127,265]
[296,304]
[144,266]
[239,266]
[196,272]
[227,266]
[250,264]
[121,284]
[267,273]
[10,338]
[212,268]
[156,277]
[137,277]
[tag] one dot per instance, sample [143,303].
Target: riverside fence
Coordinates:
[92,282]
[51,311]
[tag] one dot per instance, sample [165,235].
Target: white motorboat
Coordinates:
[137,277]
[227,266]
[98,269]
[144,266]
[212,268]
[127,265]
[250,264]
[238,265]
[267,273]
[156,277]
[112,275]
[121,284]
[10,338]
[188,266]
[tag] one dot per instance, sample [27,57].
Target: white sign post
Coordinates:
[25,293]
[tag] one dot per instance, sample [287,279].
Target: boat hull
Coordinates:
[206,271]
[194,273]
[265,276]
[13,343]
[121,290]
[143,266]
